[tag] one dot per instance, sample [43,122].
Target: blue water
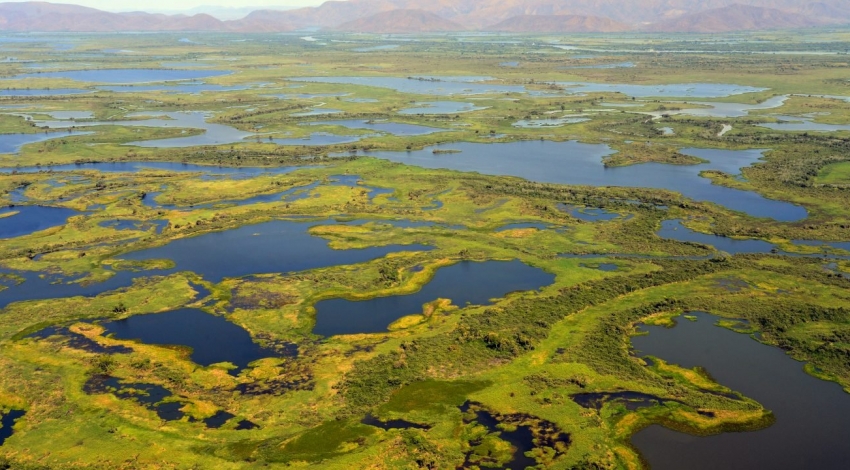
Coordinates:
[12,143]
[812,416]
[581,164]
[213,134]
[682,90]
[7,421]
[463,283]
[272,247]
[32,219]
[126,76]
[212,338]
[674,230]
[279,246]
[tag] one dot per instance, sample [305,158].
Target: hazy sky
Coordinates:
[147,5]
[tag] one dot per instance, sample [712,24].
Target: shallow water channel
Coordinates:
[271,247]
[581,164]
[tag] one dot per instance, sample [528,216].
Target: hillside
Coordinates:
[412,16]
[558,24]
[43,16]
[480,14]
[736,18]
[401,22]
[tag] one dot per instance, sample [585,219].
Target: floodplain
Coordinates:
[447,251]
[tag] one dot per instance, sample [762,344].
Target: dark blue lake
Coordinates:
[280,246]
[812,416]
[465,282]
[31,219]
[273,247]
[212,339]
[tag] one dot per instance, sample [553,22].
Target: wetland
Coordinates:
[277,250]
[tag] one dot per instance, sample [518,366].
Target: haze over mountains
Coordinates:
[424,16]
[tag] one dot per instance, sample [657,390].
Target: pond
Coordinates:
[7,423]
[125,76]
[581,164]
[464,283]
[30,219]
[812,416]
[211,338]
[273,247]
[150,396]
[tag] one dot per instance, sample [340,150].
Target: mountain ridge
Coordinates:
[704,16]
[401,21]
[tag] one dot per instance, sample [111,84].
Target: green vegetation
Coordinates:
[520,360]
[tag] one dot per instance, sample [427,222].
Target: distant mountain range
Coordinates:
[431,16]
